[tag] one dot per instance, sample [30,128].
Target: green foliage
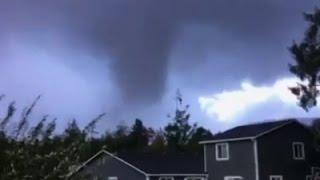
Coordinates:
[307,63]
[39,152]
[199,134]
[158,141]
[179,133]
[139,136]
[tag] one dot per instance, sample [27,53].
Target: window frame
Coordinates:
[193,178]
[112,178]
[308,177]
[276,177]
[298,145]
[166,178]
[233,177]
[227,151]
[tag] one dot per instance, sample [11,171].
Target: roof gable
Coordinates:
[247,132]
[154,163]
[99,155]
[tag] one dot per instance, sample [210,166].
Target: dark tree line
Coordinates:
[38,152]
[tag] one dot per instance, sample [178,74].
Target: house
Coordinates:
[143,166]
[281,150]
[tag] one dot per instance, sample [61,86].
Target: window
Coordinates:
[112,178]
[308,177]
[316,176]
[233,178]
[275,177]
[298,150]
[222,151]
[166,178]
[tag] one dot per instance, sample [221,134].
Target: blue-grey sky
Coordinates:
[127,58]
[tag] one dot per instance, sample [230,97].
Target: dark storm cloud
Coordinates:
[139,35]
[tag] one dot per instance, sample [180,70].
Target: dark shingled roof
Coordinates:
[156,163]
[251,130]
[165,163]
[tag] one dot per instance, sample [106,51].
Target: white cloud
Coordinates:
[231,105]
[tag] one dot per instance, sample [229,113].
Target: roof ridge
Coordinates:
[275,128]
[249,131]
[266,122]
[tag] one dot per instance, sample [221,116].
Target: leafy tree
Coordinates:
[139,136]
[47,155]
[121,138]
[200,134]
[10,112]
[108,142]
[158,141]
[72,132]
[179,132]
[306,55]
[307,63]
[44,155]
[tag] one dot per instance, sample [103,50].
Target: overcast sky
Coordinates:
[127,58]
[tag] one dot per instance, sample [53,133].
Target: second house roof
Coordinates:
[249,131]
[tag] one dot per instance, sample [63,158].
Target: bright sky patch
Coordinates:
[225,106]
